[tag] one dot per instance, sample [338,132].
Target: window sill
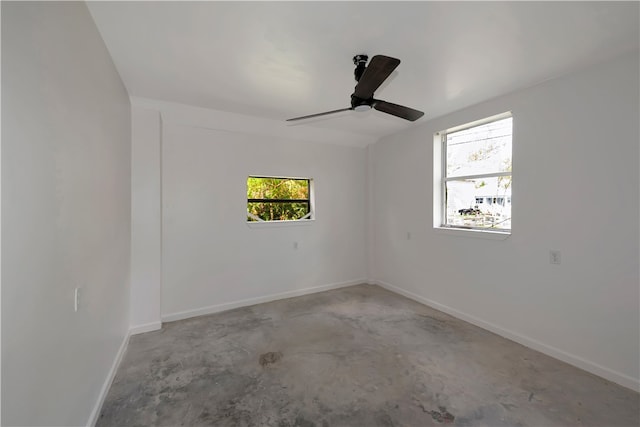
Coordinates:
[477,234]
[270,224]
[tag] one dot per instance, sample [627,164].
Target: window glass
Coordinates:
[480,149]
[477,175]
[278,199]
[464,210]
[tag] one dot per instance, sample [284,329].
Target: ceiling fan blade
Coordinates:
[398,110]
[379,68]
[319,114]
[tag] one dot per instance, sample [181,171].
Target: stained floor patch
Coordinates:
[269,358]
[442,415]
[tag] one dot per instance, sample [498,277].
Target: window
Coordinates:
[475,172]
[278,199]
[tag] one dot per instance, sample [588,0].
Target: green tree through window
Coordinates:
[278,199]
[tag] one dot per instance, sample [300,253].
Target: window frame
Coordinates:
[440,139]
[310,215]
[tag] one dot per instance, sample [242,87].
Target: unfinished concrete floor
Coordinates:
[358,356]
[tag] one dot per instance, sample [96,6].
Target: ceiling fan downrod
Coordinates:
[358,104]
[361,64]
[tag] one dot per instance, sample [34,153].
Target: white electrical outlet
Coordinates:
[76,299]
[554,257]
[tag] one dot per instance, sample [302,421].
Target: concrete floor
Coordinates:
[358,356]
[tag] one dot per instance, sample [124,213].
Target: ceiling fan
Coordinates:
[369,78]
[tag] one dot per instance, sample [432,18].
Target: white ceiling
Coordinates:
[278,60]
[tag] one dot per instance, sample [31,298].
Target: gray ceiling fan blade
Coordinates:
[319,114]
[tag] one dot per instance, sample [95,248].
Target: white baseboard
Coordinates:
[258,300]
[577,361]
[147,327]
[93,418]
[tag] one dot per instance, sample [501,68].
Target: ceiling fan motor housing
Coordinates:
[359,104]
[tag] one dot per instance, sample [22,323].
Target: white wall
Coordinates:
[65,213]
[196,254]
[145,220]
[575,157]
[213,260]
